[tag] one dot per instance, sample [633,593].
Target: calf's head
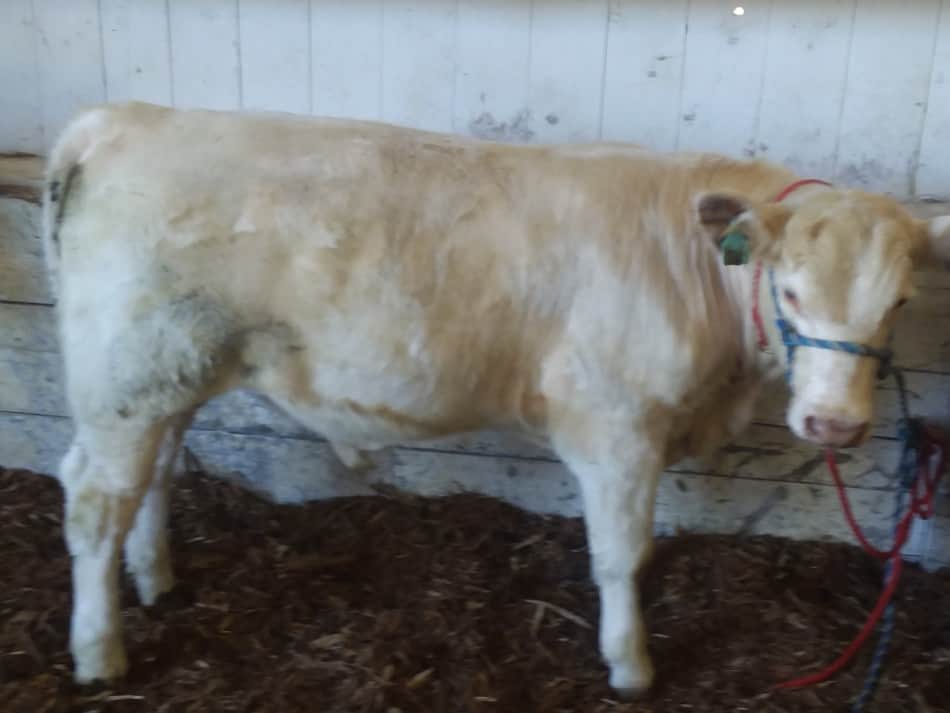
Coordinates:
[840,264]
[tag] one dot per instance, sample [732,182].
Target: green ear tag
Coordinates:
[735,248]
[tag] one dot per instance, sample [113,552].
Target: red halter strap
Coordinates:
[792,187]
[761,337]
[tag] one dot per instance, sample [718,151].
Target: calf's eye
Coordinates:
[901,302]
[790,297]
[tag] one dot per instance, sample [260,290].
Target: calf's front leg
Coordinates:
[619,500]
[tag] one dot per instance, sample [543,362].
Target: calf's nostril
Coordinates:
[835,431]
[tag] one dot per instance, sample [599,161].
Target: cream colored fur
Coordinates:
[384,284]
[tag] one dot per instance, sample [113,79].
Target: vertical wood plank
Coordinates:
[419,66]
[491,81]
[933,175]
[568,41]
[275,54]
[725,60]
[805,77]
[888,84]
[644,71]
[136,50]
[205,54]
[346,47]
[21,127]
[70,60]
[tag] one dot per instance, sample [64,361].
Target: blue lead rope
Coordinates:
[908,432]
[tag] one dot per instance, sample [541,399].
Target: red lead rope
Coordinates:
[921,505]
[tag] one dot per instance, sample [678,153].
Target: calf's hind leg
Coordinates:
[105,475]
[147,552]
[133,366]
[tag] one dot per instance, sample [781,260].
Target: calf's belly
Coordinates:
[347,402]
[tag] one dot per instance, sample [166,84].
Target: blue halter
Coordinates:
[792,340]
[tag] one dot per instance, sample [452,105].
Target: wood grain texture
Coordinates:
[22,271]
[21,176]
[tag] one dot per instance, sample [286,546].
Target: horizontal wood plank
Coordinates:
[762,453]
[28,327]
[22,270]
[293,470]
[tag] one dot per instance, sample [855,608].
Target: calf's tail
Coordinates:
[74,145]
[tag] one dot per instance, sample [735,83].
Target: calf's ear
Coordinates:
[741,230]
[932,243]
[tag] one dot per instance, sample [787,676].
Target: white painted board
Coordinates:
[137,52]
[933,171]
[71,71]
[568,40]
[275,55]
[804,87]
[205,53]
[724,71]
[492,62]
[888,84]
[21,119]
[419,63]
[643,82]
[347,57]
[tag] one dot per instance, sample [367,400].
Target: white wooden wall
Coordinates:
[854,90]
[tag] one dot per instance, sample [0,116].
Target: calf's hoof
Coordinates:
[151,585]
[99,661]
[631,682]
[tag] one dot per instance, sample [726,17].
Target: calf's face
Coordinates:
[841,264]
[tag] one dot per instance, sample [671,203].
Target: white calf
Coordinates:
[383,284]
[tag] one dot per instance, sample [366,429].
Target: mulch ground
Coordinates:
[463,604]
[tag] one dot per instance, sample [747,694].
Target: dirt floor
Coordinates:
[461,604]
